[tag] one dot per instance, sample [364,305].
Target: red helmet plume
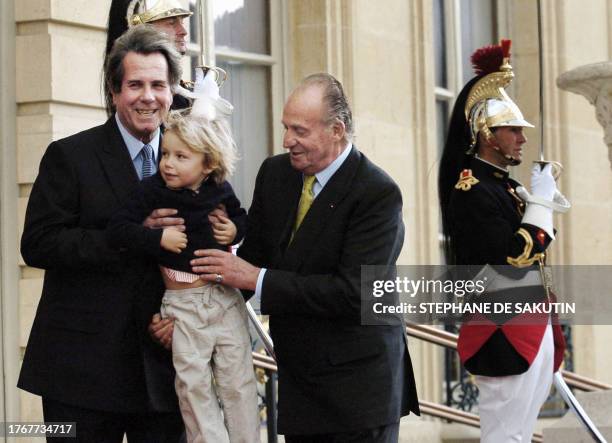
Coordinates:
[490,58]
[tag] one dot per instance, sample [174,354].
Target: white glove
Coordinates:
[206,92]
[208,103]
[543,188]
[206,86]
[542,182]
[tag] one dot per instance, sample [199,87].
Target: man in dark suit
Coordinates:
[319,213]
[167,16]
[89,354]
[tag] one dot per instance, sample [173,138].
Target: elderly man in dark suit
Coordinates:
[319,213]
[89,354]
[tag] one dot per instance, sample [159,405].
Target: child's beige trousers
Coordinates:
[211,351]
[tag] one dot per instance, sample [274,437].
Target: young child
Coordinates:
[211,348]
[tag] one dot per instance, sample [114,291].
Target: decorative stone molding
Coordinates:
[593,81]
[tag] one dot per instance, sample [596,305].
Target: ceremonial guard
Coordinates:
[493,224]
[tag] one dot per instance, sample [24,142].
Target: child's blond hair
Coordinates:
[213,138]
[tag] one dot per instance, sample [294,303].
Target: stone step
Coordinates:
[598,405]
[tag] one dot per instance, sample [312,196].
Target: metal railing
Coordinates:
[432,335]
[427,407]
[449,340]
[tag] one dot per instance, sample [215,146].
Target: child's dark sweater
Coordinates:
[125,229]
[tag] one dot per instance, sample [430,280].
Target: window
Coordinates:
[243,38]
[459,27]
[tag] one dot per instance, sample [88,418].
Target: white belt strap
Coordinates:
[559,203]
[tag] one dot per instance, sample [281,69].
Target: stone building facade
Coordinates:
[388,54]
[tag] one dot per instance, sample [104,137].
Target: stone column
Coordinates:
[593,81]
[59,47]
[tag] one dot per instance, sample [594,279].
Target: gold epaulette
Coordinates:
[524,260]
[466,180]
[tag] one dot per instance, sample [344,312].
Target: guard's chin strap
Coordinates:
[513,161]
[490,137]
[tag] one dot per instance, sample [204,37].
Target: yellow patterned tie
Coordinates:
[305,200]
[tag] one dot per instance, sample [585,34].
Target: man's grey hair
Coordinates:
[333,95]
[142,39]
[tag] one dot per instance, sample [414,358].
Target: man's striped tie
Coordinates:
[148,167]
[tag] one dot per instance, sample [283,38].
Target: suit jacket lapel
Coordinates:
[323,207]
[290,198]
[117,163]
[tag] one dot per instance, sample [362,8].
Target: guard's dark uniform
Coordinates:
[181,102]
[486,228]
[501,240]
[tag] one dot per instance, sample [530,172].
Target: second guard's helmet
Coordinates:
[147,11]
